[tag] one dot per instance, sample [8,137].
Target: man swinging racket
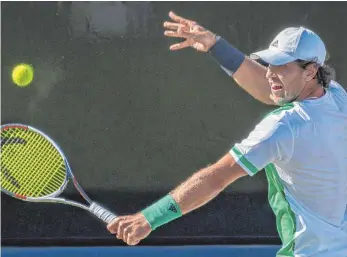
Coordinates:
[302,146]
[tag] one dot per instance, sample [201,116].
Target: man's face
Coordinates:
[286,81]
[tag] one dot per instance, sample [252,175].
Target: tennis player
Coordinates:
[302,145]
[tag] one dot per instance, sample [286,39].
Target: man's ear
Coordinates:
[311,71]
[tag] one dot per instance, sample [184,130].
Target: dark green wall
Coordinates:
[134,117]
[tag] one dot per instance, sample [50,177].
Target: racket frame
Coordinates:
[93,207]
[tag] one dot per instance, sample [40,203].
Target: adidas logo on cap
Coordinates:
[275,43]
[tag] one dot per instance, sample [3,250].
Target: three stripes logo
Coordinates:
[172,208]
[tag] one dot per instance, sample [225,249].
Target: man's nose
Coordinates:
[269,73]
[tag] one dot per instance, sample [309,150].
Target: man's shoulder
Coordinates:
[336,88]
[280,112]
[335,84]
[283,115]
[277,122]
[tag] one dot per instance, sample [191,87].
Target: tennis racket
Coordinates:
[34,169]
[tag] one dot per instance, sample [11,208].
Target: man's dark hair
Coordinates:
[324,73]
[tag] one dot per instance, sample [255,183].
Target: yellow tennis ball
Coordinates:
[22,75]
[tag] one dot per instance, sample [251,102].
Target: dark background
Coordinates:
[135,119]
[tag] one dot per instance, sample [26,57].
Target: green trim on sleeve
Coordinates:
[244,160]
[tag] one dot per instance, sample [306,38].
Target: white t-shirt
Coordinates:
[303,148]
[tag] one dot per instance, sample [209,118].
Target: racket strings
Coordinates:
[36,165]
[41,163]
[17,165]
[51,186]
[34,157]
[33,162]
[44,163]
[51,180]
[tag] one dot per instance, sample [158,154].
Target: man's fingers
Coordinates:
[135,242]
[172,25]
[180,19]
[131,240]
[170,33]
[129,237]
[180,45]
[113,226]
[120,231]
[126,233]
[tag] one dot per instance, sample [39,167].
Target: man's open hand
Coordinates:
[195,35]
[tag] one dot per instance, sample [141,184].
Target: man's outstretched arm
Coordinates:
[249,74]
[196,191]
[206,184]
[251,77]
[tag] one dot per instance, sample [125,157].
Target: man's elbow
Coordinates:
[227,171]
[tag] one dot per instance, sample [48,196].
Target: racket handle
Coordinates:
[100,212]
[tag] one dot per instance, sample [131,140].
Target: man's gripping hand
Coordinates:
[130,228]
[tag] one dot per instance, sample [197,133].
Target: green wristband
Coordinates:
[162,212]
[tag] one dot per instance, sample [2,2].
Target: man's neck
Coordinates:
[314,91]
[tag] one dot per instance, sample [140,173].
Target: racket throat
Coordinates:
[100,212]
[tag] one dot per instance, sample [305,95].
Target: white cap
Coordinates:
[293,44]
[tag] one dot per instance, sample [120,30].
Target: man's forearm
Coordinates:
[199,189]
[251,77]
[249,74]
[206,184]
[196,191]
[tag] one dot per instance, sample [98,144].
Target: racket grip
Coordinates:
[100,212]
